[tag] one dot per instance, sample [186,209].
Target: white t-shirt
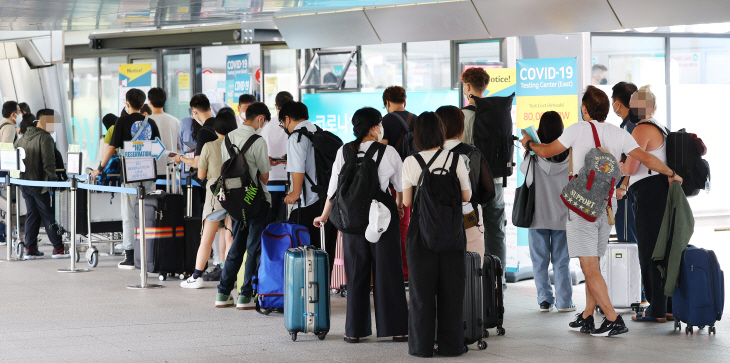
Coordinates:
[412,170]
[169,127]
[239,120]
[390,170]
[276,139]
[579,136]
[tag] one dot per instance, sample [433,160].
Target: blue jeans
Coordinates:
[551,245]
[245,239]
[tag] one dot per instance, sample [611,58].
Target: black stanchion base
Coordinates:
[140,287]
[73,270]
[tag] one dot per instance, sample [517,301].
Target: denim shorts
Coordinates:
[217,216]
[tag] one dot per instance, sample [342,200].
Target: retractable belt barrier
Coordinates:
[73,184]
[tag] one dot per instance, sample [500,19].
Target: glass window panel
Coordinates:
[700,61]
[428,66]
[479,52]
[110,86]
[85,121]
[177,102]
[214,70]
[280,74]
[327,69]
[382,66]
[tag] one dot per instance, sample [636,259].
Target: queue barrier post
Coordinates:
[8,217]
[72,201]
[142,244]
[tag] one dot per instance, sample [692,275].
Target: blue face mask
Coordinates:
[581,114]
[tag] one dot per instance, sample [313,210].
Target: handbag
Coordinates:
[524,205]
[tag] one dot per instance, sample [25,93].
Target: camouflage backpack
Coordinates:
[589,193]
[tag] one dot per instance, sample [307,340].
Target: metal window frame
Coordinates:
[353,53]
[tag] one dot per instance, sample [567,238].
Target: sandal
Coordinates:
[402,339]
[352,340]
[644,318]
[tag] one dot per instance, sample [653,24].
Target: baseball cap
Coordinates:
[379,221]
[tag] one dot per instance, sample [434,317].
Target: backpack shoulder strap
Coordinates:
[596,140]
[380,148]
[454,162]
[663,130]
[248,143]
[406,127]
[141,128]
[347,151]
[421,162]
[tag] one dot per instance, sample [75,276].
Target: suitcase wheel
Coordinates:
[293,337]
[321,335]
[712,330]
[677,326]
[500,330]
[162,277]
[688,330]
[482,345]
[182,277]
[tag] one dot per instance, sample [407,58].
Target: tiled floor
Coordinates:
[91,317]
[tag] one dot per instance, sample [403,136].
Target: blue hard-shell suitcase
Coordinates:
[306,292]
[700,296]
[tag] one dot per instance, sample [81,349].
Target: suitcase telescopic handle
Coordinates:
[314,299]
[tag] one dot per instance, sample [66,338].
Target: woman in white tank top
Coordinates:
[649,191]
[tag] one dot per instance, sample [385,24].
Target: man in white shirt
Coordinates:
[588,240]
[276,139]
[244,101]
[168,124]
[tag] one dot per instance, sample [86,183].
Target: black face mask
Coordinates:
[603,81]
[634,115]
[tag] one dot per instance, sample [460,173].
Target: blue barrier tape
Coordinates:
[276,188]
[104,188]
[183,182]
[35,183]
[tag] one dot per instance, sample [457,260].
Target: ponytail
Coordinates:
[363,120]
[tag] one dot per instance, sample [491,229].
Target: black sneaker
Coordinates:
[33,255]
[60,253]
[545,307]
[583,325]
[214,274]
[128,263]
[611,328]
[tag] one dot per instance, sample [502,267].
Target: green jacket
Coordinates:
[678,225]
[40,156]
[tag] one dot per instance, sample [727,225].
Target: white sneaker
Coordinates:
[192,283]
[568,309]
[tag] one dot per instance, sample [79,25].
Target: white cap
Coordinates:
[379,221]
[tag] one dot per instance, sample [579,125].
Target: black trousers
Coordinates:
[278,207]
[383,260]
[38,207]
[305,216]
[436,288]
[650,196]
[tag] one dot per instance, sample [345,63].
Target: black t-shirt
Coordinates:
[127,126]
[205,134]
[394,128]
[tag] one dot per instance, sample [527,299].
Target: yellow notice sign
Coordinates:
[183,81]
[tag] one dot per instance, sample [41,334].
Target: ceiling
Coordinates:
[125,14]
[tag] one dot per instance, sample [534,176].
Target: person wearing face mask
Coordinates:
[649,190]
[247,236]
[244,101]
[202,114]
[276,140]
[125,129]
[598,74]
[363,259]
[11,116]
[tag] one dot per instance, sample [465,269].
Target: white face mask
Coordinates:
[261,127]
[382,133]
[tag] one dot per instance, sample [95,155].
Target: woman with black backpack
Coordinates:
[359,207]
[436,241]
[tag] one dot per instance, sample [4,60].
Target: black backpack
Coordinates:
[326,145]
[480,175]
[405,145]
[684,156]
[236,191]
[438,206]
[493,134]
[357,185]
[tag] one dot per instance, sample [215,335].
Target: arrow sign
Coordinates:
[144,149]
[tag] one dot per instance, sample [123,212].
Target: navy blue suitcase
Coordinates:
[700,297]
[306,291]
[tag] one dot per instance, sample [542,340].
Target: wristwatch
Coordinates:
[527,145]
[674,173]
[100,168]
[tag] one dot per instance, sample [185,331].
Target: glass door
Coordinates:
[177,80]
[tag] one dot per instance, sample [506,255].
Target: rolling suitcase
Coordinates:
[193,230]
[306,296]
[473,295]
[493,301]
[621,271]
[700,296]
[164,232]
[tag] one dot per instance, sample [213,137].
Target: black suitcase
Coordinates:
[193,228]
[473,295]
[165,234]
[493,297]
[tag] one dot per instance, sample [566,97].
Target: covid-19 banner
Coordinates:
[543,85]
[238,79]
[137,76]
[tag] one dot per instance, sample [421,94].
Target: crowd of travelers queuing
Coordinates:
[406,147]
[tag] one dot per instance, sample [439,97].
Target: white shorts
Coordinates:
[587,239]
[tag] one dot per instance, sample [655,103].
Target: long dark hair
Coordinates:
[428,132]
[28,121]
[551,127]
[363,120]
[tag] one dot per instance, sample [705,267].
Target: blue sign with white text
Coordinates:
[547,77]
[238,79]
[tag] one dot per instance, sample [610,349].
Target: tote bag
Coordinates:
[524,206]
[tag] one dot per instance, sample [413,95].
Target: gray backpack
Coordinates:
[589,193]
